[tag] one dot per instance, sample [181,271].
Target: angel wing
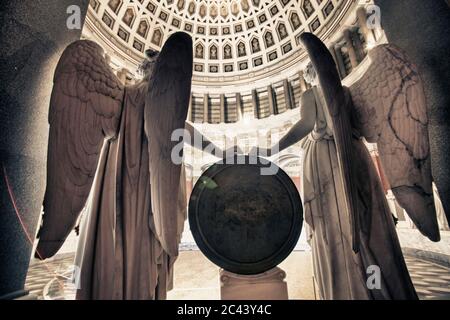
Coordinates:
[85,109]
[338,103]
[166,110]
[390,110]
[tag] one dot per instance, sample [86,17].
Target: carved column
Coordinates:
[255,104]
[340,61]
[270,97]
[288,98]
[222,108]
[205,108]
[351,49]
[239,107]
[190,115]
[33,35]
[359,48]
[428,48]
[332,49]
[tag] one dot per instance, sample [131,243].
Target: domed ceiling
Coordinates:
[233,39]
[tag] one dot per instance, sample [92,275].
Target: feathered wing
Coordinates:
[166,110]
[85,109]
[338,104]
[390,110]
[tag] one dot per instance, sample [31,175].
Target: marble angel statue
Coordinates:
[351,226]
[110,153]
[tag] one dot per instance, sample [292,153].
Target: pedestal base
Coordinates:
[269,285]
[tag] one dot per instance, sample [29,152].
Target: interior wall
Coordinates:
[33,35]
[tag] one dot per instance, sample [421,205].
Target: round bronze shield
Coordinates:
[246,218]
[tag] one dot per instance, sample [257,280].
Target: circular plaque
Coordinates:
[246,218]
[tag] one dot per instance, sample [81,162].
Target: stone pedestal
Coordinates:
[269,285]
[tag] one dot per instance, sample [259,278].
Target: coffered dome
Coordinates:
[233,39]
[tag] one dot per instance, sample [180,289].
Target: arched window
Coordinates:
[295,20]
[199,51]
[142,29]
[268,39]
[241,51]
[308,8]
[282,31]
[255,45]
[227,54]
[213,52]
[157,37]
[128,17]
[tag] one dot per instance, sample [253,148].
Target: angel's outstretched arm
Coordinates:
[301,129]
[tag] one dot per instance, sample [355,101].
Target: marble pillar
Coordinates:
[359,48]
[33,35]
[351,49]
[421,28]
[270,97]
[288,97]
[255,103]
[222,108]
[332,49]
[239,107]
[340,61]
[205,108]
[190,116]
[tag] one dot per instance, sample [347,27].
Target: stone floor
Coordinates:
[432,281]
[197,278]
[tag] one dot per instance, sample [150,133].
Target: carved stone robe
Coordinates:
[110,152]
[118,254]
[339,273]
